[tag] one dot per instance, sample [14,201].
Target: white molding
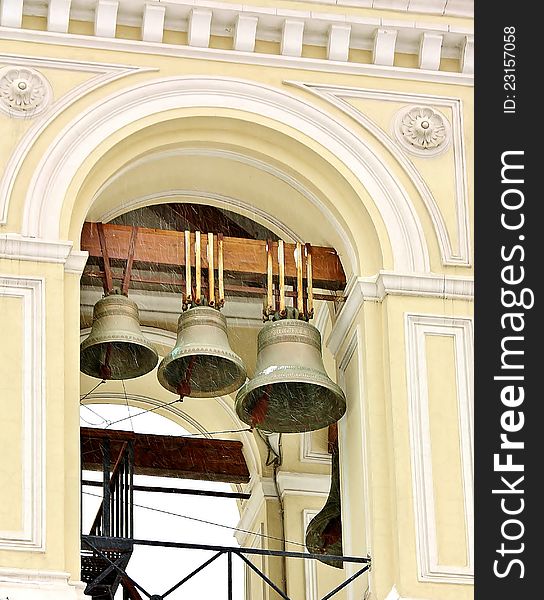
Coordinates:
[383,49]
[48,187]
[11,13]
[153,23]
[250,510]
[336,95]
[17,247]
[430,51]
[105,20]
[255,58]
[303,484]
[245,32]
[310,566]
[107,73]
[58,15]
[353,351]
[376,288]
[309,455]
[418,326]
[198,33]
[29,584]
[291,39]
[31,536]
[425,153]
[467,55]
[338,41]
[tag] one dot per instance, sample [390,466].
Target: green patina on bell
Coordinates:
[290,392]
[116,347]
[324,532]
[202,363]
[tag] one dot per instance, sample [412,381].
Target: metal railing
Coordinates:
[94,543]
[115,514]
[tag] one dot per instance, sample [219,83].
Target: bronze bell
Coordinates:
[116,347]
[202,364]
[291,392]
[324,532]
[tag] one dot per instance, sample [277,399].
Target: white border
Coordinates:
[31,536]
[418,326]
[336,95]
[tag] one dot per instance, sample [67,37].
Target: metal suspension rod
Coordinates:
[175,490]
[345,583]
[192,574]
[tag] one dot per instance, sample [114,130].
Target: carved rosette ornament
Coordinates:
[24,92]
[422,130]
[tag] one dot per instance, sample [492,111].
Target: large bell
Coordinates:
[291,392]
[202,364]
[324,532]
[116,347]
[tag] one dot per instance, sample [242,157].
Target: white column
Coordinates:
[383,52]
[58,15]
[153,23]
[430,49]
[245,32]
[338,43]
[11,13]
[291,38]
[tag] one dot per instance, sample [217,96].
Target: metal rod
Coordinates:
[309,281]
[188,284]
[175,490]
[229,575]
[235,290]
[269,280]
[211,273]
[300,299]
[192,574]
[131,488]
[130,260]
[236,550]
[221,300]
[106,488]
[197,266]
[263,576]
[281,265]
[345,583]
[107,281]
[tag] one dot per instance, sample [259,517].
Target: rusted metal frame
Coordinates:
[130,261]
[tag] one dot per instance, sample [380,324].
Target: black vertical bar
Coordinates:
[106,487]
[122,497]
[126,500]
[131,487]
[229,574]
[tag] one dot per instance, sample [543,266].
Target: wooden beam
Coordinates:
[244,260]
[169,456]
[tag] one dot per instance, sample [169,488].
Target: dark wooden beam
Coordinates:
[169,456]
[245,260]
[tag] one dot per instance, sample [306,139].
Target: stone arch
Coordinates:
[48,190]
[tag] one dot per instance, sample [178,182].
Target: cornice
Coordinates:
[337,32]
[375,289]
[17,247]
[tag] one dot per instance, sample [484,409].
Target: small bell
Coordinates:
[202,363]
[116,347]
[324,532]
[290,392]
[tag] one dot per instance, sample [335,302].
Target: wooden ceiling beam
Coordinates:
[245,260]
[168,456]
